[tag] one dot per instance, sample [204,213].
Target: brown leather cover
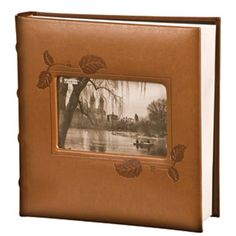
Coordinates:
[97,187]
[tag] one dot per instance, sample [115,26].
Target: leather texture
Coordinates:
[88,186]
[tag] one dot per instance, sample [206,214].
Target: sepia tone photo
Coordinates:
[112,116]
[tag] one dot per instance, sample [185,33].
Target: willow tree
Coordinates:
[81,90]
[76,94]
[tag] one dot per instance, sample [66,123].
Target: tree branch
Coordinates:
[105,88]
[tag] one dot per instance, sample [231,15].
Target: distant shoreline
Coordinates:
[128,134]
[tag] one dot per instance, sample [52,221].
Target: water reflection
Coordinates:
[97,141]
[108,141]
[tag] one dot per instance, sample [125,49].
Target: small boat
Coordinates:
[144,142]
[143,145]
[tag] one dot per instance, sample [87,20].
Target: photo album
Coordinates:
[119,118]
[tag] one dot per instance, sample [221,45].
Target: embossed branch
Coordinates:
[131,168]
[45,77]
[89,64]
[177,155]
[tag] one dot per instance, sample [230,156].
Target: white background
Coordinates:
[10,222]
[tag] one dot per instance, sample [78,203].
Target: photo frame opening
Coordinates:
[112,116]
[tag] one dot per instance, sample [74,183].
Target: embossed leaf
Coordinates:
[177,153]
[48,59]
[91,64]
[173,174]
[45,78]
[129,168]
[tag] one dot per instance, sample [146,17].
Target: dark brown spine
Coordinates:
[216,151]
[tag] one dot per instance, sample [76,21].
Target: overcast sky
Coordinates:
[135,101]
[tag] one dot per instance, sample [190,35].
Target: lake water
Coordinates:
[108,141]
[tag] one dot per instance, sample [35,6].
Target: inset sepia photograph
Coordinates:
[112,116]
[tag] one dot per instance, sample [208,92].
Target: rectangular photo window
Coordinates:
[112,116]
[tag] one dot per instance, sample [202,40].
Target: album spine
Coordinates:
[20,104]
